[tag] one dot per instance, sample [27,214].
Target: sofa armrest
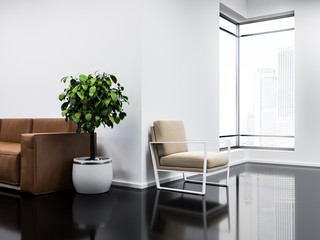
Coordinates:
[46,160]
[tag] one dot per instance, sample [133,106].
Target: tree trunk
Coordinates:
[92,147]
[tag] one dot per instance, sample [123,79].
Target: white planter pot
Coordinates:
[92,176]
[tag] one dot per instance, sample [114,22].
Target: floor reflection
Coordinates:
[262,202]
[176,214]
[118,214]
[43,217]
[92,212]
[268,203]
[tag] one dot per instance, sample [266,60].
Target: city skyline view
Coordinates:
[265,97]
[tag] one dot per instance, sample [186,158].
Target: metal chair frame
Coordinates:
[204,173]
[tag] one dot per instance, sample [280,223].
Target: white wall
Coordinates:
[180,68]
[307,65]
[42,41]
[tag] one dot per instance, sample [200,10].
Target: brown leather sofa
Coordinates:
[36,154]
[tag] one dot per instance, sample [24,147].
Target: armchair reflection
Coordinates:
[175,213]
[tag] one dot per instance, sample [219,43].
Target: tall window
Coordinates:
[257,83]
[228,85]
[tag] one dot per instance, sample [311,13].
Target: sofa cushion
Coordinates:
[11,129]
[47,125]
[10,162]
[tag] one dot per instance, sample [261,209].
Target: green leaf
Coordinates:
[106,102]
[72,101]
[92,81]
[82,78]
[122,115]
[88,117]
[105,88]
[97,118]
[64,106]
[111,119]
[97,104]
[126,99]
[114,97]
[73,83]
[117,120]
[114,79]
[105,112]
[88,126]
[64,113]
[64,79]
[78,114]
[81,95]
[75,118]
[61,97]
[92,90]
[85,87]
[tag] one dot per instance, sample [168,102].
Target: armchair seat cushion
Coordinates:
[10,162]
[194,160]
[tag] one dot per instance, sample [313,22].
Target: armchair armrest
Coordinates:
[46,160]
[204,142]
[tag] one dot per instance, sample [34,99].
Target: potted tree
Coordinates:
[91,101]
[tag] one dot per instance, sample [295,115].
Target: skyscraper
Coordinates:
[268,102]
[286,91]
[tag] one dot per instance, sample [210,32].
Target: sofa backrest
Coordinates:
[47,125]
[12,128]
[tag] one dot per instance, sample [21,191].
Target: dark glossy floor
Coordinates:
[263,202]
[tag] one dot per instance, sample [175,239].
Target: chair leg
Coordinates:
[203,192]
[228,174]
[156,176]
[184,176]
[204,184]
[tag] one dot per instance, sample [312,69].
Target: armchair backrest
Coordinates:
[169,131]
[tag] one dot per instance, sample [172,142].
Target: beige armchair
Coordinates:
[169,152]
